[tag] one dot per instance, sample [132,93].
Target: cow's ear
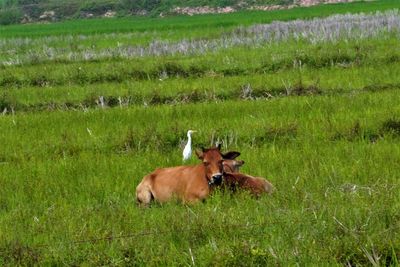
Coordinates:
[231,155]
[199,153]
[239,163]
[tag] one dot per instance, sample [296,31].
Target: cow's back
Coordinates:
[186,183]
[267,185]
[255,185]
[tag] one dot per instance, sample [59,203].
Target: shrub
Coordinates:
[11,16]
[97,8]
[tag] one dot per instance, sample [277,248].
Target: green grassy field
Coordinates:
[320,120]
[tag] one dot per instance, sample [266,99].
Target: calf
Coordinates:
[232,165]
[233,179]
[255,185]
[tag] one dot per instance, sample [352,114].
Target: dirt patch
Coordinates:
[202,10]
[317,2]
[229,9]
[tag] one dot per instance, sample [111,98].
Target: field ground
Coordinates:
[320,120]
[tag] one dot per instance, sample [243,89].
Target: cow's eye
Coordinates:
[206,163]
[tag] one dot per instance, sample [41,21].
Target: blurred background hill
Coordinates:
[29,11]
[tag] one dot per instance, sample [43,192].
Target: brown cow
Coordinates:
[233,179]
[186,183]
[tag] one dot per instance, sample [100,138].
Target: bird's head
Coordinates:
[191,131]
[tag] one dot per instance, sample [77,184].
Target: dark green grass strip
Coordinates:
[272,58]
[8,105]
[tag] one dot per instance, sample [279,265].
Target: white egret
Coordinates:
[187,152]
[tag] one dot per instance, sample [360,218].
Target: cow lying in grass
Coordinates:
[194,183]
[233,179]
[186,183]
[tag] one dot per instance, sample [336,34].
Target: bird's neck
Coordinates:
[189,138]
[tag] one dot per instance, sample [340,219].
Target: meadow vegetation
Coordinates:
[317,116]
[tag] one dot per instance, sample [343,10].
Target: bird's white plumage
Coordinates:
[187,151]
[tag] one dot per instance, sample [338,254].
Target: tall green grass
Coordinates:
[332,192]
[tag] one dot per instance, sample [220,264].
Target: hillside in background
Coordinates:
[28,11]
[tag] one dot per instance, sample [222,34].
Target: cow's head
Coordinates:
[232,165]
[213,160]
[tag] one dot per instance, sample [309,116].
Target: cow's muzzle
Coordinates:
[215,180]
